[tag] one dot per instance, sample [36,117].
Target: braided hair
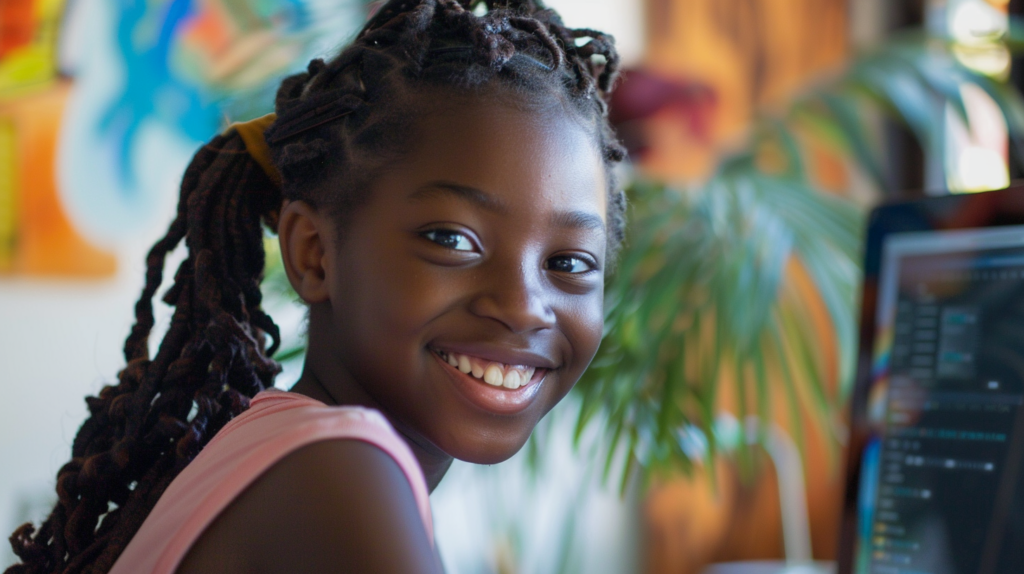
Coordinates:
[346,118]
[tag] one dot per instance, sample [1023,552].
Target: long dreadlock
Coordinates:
[347,117]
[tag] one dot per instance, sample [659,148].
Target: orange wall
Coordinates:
[752,52]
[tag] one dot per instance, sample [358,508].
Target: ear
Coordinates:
[302,231]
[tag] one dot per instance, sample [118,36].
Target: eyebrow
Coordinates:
[464,192]
[565,219]
[578,220]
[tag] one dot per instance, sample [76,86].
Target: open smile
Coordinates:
[500,388]
[491,372]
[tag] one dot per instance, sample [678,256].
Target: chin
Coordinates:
[486,448]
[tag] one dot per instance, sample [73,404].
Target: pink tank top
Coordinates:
[276,424]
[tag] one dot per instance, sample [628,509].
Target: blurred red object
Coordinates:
[642,94]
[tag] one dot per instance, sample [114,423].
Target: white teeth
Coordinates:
[493,375]
[512,380]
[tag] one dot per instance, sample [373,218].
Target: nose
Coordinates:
[515,297]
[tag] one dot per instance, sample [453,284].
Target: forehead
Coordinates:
[542,159]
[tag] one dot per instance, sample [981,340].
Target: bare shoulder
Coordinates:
[338,506]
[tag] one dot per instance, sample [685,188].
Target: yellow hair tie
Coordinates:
[251,133]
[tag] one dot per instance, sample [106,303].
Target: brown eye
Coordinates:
[569,264]
[449,238]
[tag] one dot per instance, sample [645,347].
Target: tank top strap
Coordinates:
[276,424]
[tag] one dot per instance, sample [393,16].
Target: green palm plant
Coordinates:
[697,300]
[697,294]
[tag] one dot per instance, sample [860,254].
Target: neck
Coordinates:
[343,391]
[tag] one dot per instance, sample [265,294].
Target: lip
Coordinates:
[499,355]
[494,400]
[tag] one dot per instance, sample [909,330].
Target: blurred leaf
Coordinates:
[720,254]
[1015,35]
[892,86]
[837,121]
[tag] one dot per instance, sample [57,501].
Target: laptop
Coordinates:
[935,475]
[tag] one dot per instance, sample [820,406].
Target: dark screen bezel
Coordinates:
[982,210]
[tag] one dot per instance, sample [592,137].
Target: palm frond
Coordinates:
[696,303]
[695,309]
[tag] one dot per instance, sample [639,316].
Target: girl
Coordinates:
[443,196]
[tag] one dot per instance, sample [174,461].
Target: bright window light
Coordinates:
[981,169]
[975,22]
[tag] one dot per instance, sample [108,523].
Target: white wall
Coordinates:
[59,341]
[623,19]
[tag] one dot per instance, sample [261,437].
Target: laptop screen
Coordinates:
[938,486]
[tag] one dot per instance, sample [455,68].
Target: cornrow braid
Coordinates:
[344,120]
[354,111]
[140,432]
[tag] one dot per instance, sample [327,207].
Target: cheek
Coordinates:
[381,320]
[391,297]
[584,328]
[387,305]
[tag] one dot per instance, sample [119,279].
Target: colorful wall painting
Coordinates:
[163,76]
[36,236]
[132,88]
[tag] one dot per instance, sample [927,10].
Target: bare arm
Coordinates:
[333,506]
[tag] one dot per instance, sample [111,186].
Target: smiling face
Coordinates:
[464,298]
